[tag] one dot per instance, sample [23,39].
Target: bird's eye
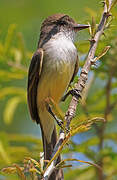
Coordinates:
[62,23]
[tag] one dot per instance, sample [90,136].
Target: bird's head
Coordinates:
[60,23]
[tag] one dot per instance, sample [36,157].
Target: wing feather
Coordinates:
[75,69]
[33,79]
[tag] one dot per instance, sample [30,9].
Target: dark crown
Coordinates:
[58,19]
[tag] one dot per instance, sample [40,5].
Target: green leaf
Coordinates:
[9,170]
[21,45]
[107,4]
[87,162]
[23,139]
[105,50]
[33,161]
[12,91]
[66,166]
[9,38]
[20,171]
[34,170]
[3,153]
[93,27]
[10,109]
[10,75]
[17,55]
[85,125]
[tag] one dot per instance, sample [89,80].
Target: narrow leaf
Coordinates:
[20,172]
[11,91]
[9,38]
[85,125]
[9,170]
[107,4]
[93,27]
[21,45]
[105,50]
[66,166]
[3,154]
[87,162]
[34,170]
[10,109]
[34,162]
[114,2]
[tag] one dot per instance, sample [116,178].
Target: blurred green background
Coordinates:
[20,23]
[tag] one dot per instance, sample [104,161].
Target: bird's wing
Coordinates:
[33,79]
[75,69]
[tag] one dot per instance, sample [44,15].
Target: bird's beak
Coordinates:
[78,27]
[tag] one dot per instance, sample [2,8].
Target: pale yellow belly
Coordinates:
[52,84]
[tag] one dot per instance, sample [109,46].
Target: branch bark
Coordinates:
[81,84]
[86,68]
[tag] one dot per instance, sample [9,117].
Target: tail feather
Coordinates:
[48,149]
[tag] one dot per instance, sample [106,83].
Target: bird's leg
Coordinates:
[59,122]
[73,92]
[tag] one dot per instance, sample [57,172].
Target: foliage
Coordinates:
[13,148]
[35,168]
[12,68]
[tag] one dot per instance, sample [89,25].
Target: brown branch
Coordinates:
[81,83]
[102,128]
[86,68]
[108,91]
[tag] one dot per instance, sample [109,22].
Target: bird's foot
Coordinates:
[73,92]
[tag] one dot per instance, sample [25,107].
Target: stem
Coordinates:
[103,126]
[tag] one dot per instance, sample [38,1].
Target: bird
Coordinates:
[53,67]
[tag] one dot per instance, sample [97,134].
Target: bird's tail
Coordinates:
[48,149]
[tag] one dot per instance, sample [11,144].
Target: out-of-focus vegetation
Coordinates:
[13,72]
[98,145]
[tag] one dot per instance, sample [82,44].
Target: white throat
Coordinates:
[61,47]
